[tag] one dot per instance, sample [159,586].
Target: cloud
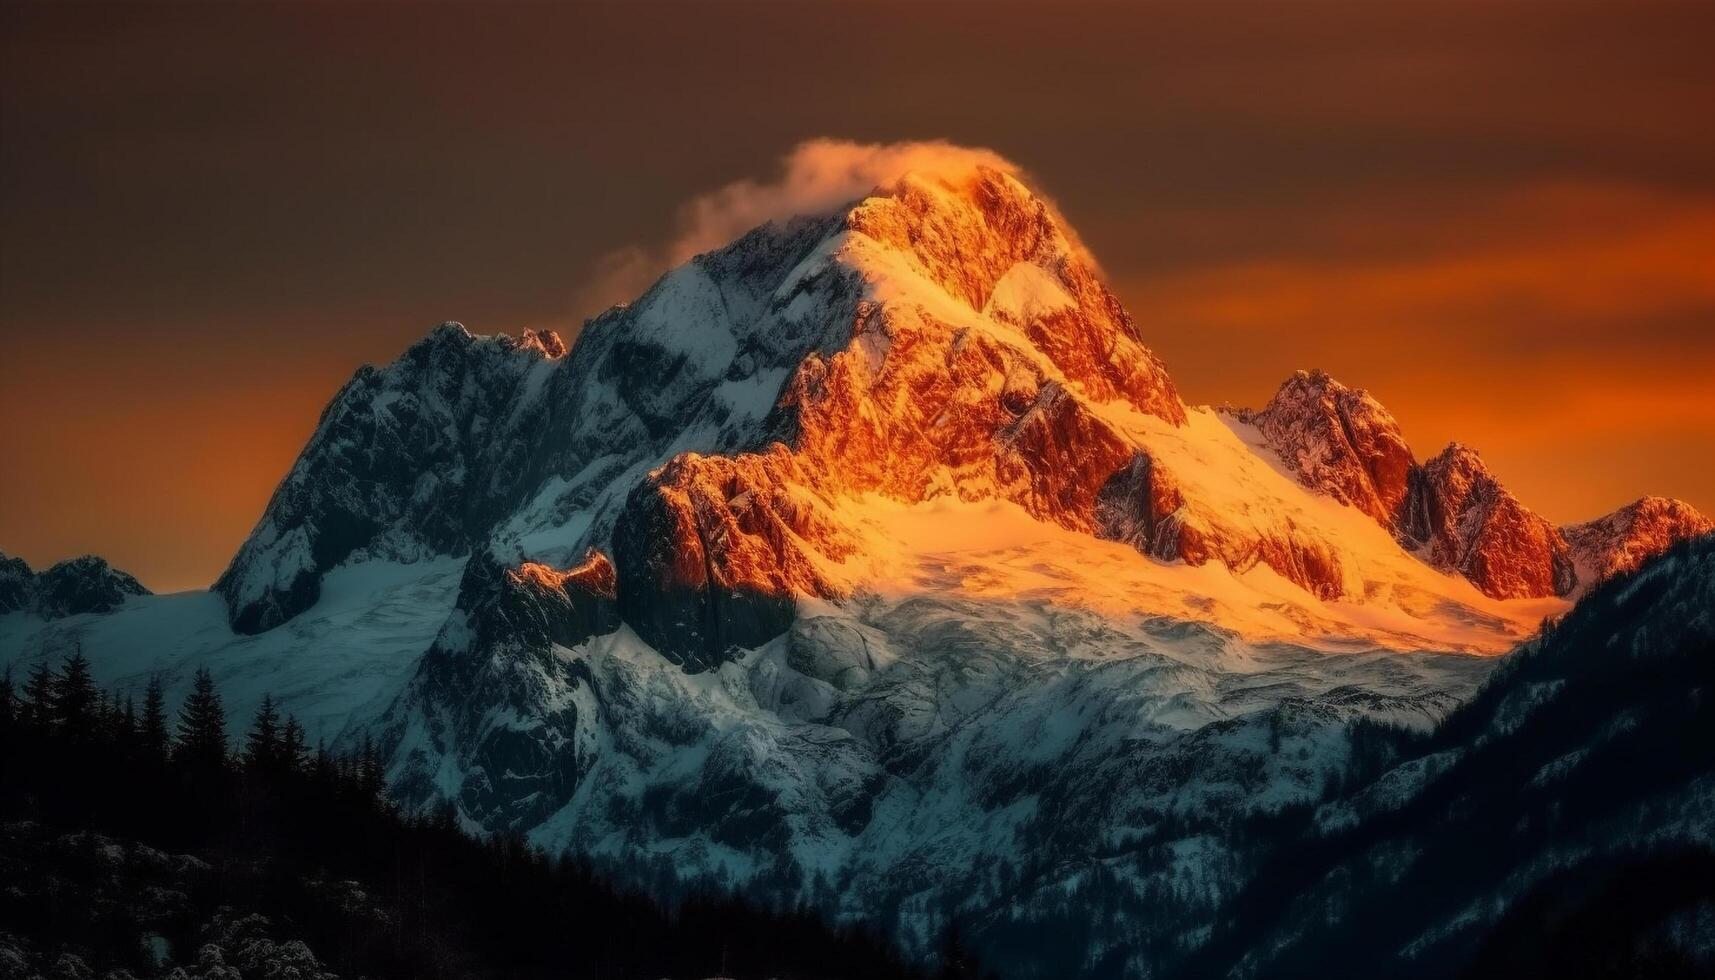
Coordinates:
[816,177]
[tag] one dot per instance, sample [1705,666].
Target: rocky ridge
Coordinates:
[68,588]
[943,336]
[1451,509]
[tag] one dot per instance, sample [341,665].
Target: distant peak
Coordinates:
[1458,455]
[1621,541]
[547,342]
[86,584]
[1340,441]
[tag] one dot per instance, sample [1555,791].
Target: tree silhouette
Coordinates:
[293,744]
[263,743]
[152,732]
[202,724]
[75,699]
[455,906]
[36,711]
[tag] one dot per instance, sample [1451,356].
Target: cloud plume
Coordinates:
[815,177]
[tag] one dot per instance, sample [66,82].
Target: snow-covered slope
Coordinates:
[337,666]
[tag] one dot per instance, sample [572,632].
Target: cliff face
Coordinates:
[1341,442]
[1471,524]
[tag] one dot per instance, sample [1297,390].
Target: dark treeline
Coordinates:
[276,822]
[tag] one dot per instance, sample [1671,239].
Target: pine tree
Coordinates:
[76,702]
[293,744]
[8,701]
[36,711]
[325,769]
[153,730]
[370,773]
[125,727]
[262,746]
[202,724]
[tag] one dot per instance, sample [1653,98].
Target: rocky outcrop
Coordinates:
[417,459]
[79,585]
[492,698]
[17,583]
[1469,523]
[1618,543]
[1135,505]
[1340,441]
[714,551]
[985,239]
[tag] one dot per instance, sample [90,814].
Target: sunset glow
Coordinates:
[1429,207]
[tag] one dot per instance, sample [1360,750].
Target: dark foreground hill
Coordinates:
[1561,823]
[124,853]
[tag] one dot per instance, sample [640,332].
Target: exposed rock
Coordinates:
[1618,543]
[417,459]
[496,653]
[1472,525]
[713,551]
[78,585]
[1340,441]
[547,342]
[17,583]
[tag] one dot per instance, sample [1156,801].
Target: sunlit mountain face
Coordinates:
[870,562]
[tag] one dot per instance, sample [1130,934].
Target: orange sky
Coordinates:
[1498,218]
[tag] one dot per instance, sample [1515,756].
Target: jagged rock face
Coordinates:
[491,698]
[79,585]
[417,459]
[83,585]
[713,552]
[926,341]
[1471,524]
[1340,441]
[1343,443]
[998,248]
[17,580]
[1134,506]
[1616,544]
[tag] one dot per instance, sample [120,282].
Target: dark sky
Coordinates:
[1498,218]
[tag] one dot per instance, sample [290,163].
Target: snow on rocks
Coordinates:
[1618,543]
[78,585]
[1341,442]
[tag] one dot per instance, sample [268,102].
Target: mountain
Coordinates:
[1622,541]
[1451,509]
[415,460]
[1559,823]
[79,585]
[870,562]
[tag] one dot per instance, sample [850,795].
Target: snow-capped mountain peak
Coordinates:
[855,558]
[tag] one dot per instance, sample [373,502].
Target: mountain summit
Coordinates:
[872,563]
[942,338]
